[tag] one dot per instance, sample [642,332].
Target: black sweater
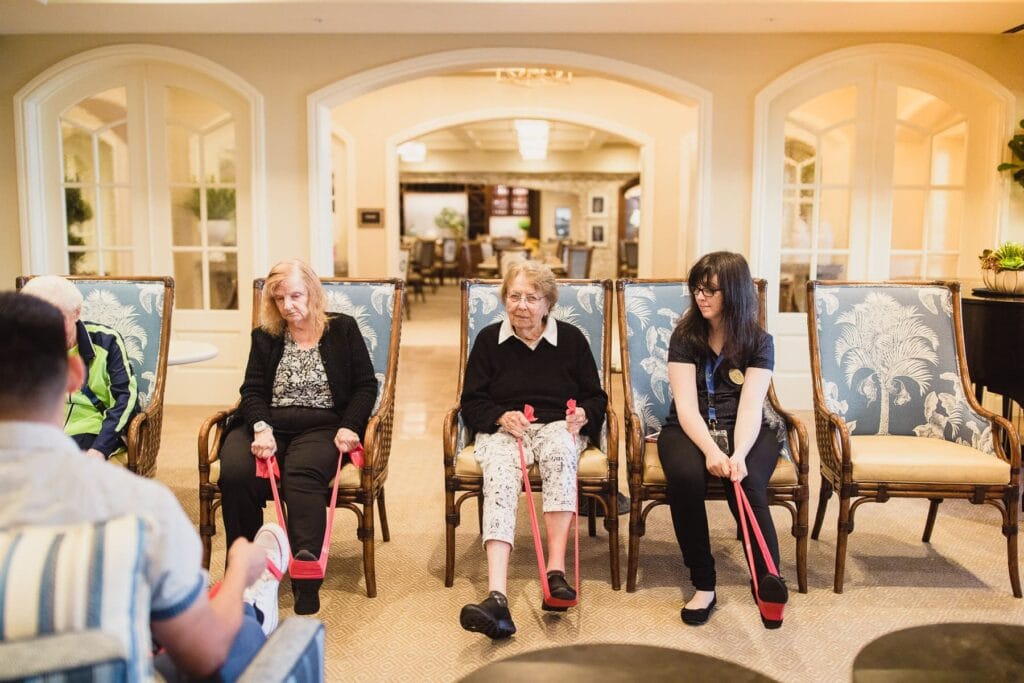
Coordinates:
[502,377]
[346,361]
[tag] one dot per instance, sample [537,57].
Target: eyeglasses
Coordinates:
[531,299]
[707,292]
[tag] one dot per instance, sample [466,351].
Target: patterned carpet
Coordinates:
[410,632]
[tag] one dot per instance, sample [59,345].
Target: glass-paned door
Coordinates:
[929,162]
[818,156]
[95,184]
[201,172]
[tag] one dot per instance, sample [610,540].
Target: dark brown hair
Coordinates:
[740,306]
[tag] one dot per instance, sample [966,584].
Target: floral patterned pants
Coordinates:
[498,455]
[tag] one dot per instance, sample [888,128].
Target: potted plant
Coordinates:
[78,211]
[1003,269]
[451,222]
[1016,167]
[220,210]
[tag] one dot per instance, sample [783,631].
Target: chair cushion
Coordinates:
[913,459]
[71,578]
[349,475]
[784,474]
[593,464]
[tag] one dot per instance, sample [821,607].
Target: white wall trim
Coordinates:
[29,100]
[320,103]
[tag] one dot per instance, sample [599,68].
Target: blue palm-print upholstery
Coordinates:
[889,365]
[135,310]
[652,310]
[372,305]
[581,304]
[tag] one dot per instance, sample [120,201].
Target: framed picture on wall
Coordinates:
[370,218]
[597,204]
[598,234]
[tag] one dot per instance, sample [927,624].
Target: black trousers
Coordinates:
[308,460]
[687,474]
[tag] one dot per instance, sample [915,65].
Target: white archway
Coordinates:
[321,102]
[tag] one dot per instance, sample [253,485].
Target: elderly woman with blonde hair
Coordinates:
[308,392]
[528,358]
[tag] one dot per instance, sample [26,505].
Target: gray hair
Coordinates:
[56,290]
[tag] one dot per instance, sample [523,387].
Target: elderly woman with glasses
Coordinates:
[719,368]
[528,358]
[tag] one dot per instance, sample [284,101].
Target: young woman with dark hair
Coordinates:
[720,365]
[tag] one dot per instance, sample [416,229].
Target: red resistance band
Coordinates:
[307,569]
[549,600]
[770,610]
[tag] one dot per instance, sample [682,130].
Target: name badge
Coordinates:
[736,376]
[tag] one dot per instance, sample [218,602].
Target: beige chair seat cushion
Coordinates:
[914,459]
[593,464]
[349,475]
[784,474]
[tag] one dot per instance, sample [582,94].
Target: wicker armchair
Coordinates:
[587,304]
[893,408]
[648,310]
[377,307]
[139,308]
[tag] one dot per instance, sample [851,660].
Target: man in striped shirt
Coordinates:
[97,415]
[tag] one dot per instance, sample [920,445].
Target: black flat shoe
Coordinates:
[560,589]
[772,589]
[306,591]
[696,617]
[491,617]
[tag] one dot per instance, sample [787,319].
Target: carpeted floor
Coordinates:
[410,632]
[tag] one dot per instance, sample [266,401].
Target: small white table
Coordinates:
[183,351]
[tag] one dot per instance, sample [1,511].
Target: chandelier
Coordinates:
[533,76]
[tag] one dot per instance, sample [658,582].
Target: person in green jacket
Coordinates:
[98,414]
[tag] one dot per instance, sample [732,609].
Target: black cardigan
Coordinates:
[346,361]
[502,377]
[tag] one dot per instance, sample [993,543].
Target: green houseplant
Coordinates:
[451,221]
[1016,167]
[220,203]
[1002,269]
[78,211]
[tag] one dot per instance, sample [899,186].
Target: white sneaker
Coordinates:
[262,594]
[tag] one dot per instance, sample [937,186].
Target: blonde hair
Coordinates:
[537,274]
[56,290]
[270,317]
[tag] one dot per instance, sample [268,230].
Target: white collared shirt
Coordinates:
[506,331]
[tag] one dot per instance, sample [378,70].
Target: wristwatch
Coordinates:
[262,426]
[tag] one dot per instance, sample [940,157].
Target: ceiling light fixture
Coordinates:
[533,76]
[532,135]
[412,152]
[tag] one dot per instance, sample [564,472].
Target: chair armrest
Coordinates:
[833,440]
[612,420]
[377,441]
[634,443]
[798,442]
[142,439]
[294,652]
[210,437]
[1000,425]
[72,655]
[450,436]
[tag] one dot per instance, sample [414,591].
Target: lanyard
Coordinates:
[709,380]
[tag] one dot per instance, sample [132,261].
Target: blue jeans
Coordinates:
[248,641]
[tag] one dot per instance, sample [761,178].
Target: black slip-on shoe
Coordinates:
[772,589]
[696,617]
[560,589]
[491,617]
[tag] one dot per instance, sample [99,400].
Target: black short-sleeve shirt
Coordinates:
[727,390]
